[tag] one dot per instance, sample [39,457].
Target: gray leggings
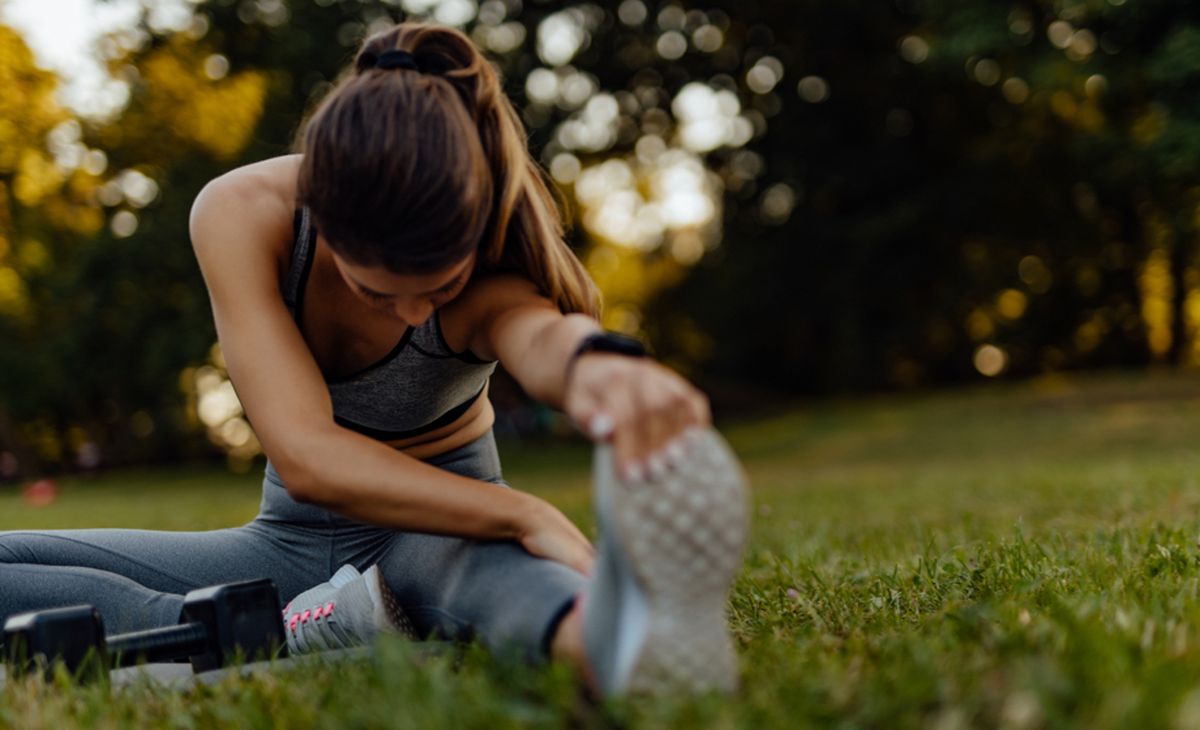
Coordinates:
[450,587]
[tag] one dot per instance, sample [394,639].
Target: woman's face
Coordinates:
[409,298]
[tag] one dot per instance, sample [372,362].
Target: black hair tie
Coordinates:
[389,60]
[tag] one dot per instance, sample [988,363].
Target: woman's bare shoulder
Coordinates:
[488,290]
[254,203]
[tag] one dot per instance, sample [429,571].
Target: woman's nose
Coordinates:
[414,311]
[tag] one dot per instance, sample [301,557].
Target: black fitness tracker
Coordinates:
[611,342]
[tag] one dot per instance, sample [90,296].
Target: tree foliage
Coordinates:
[802,197]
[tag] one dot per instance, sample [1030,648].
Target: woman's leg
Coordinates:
[137,578]
[494,591]
[455,588]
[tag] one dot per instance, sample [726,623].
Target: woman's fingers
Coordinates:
[628,432]
[547,533]
[640,406]
[661,403]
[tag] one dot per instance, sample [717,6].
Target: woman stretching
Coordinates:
[364,290]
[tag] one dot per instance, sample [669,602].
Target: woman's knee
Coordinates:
[16,547]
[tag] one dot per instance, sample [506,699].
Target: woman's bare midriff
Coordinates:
[471,425]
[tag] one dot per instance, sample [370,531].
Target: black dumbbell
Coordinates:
[219,625]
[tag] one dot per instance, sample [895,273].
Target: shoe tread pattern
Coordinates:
[685,531]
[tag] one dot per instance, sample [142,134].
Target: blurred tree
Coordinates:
[47,182]
[802,196]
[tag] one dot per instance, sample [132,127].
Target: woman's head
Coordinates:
[417,161]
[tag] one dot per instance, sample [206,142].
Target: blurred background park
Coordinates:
[786,199]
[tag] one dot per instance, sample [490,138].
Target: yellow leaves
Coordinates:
[628,278]
[226,117]
[1083,114]
[1064,104]
[37,177]
[10,144]
[180,100]
[1011,304]
[28,113]
[14,299]
[1092,332]
[1149,126]
[77,218]
[979,324]
[33,255]
[1157,292]
[27,106]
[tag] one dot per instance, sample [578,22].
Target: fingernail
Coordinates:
[656,466]
[634,473]
[601,426]
[675,451]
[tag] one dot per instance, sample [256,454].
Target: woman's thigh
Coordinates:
[176,562]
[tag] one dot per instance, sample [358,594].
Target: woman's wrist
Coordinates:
[520,514]
[602,342]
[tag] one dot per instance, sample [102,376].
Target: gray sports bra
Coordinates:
[419,386]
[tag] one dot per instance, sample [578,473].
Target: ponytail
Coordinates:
[398,109]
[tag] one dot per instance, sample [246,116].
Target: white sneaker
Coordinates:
[348,610]
[670,547]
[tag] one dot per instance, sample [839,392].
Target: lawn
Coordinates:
[1017,556]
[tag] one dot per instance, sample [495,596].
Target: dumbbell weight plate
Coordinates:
[74,633]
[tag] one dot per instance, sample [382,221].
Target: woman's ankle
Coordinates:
[567,645]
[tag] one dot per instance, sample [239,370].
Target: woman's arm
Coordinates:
[640,405]
[233,222]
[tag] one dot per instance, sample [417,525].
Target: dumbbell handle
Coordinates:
[157,645]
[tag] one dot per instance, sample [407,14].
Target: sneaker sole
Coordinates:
[684,532]
[390,609]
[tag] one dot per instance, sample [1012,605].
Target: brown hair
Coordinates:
[413,170]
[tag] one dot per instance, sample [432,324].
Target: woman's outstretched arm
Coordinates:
[240,224]
[638,404]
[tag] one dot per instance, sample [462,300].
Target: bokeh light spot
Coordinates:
[813,89]
[987,72]
[1060,33]
[765,75]
[216,67]
[990,360]
[914,49]
[777,204]
[124,224]
[708,38]
[671,45]
[1011,304]
[559,37]
[565,168]
[632,12]
[1015,90]
[1033,271]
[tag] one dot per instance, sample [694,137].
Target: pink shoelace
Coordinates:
[315,614]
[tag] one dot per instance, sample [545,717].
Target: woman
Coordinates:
[363,291]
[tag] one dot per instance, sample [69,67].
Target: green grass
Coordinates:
[1015,556]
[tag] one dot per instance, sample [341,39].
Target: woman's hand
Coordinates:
[641,406]
[547,533]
